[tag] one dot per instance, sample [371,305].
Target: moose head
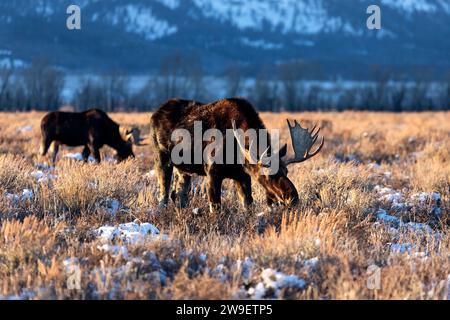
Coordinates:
[279,188]
[130,137]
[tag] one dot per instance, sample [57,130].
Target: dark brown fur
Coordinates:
[176,114]
[92,129]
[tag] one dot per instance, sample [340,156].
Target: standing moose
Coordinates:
[222,115]
[91,129]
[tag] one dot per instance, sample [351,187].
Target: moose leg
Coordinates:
[181,191]
[164,172]
[54,148]
[214,191]
[95,150]
[86,153]
[173,193]
[45,144]
[244,188]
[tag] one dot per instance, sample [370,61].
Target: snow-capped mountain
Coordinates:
[135,35]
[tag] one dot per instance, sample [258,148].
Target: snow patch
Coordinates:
[42,177]
[77,156]
[111,206]
[113,250]
[411,6]
[273,282]
[130,233]
[27,194]
[288,16]
[261,44]
[424,197]
[25,128]
[141,20]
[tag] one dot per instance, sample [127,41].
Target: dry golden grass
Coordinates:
[330,241]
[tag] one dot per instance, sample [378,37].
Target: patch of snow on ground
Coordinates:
[111,206]
[25,128]
[389,195]
[311,263]
[423,197]
[27,194]
[274,281]
[115,251]
[397,202]
[130,233]
[401,248]
[42,176]
[245,267]
[44,166]
[77,156]
[383,216]
[407,249]
[419,228]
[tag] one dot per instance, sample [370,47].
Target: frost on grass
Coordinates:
[129,233]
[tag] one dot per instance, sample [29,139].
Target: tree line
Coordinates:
[284,88]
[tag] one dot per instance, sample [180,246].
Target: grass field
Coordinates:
[372,222]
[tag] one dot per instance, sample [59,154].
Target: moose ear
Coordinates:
[283,151]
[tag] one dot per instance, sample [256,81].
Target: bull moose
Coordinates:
[92,129]
[224,114]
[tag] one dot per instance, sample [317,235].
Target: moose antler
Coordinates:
[247,153]
[137,139]
[132,135]
[302,142]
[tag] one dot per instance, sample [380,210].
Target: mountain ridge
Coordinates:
[135,36]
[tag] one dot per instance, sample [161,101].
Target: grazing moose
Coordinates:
[222,115]
[91,129]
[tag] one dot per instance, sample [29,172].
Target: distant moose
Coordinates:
[92,129]
[222,115]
